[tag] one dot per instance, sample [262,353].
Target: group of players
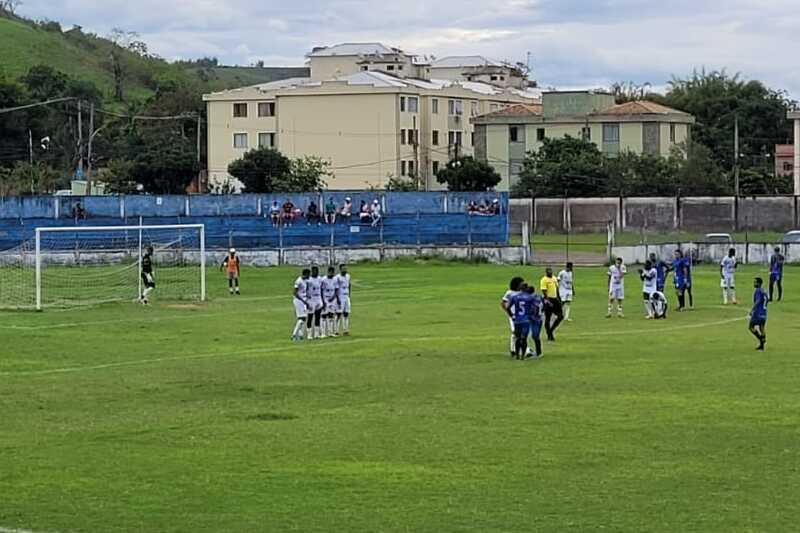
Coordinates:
[529,312]
[321,304]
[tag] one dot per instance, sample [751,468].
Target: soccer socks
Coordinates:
[513,344]
[567,307]
[648,310]
[724,296]
[619,310]
[346,322]
[538,343]
[298,329]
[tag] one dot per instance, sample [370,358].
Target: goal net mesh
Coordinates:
[95,266]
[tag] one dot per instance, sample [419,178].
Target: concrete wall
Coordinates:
[698,214]
[751,254]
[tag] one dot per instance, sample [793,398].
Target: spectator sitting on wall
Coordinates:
[78,212]
[363,212]
[347,209]
[312,213]
[288,211]
[496,206]
[375,212]
[330,211]
[472,207]
[275,213]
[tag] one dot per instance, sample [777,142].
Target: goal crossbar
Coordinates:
[135,228]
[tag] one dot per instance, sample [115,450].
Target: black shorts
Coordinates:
[555,306]
[148,280]
[760,322]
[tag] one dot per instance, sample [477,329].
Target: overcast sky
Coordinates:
[573,43]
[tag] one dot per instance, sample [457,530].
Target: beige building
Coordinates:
[480,69]
[330,62]
[369,124]
[504,137]
[795,116]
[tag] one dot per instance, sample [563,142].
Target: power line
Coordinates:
[38,104]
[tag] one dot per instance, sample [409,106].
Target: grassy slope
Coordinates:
[220,78]
[211,420]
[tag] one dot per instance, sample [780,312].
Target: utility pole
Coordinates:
[80,139]
[736,155]
[89,152]
[199,166]
[30,157]
[415,145]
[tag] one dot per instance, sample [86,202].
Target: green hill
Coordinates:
[86,56]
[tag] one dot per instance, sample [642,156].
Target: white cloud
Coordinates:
[572,42]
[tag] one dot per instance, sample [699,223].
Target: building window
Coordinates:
[402,136]
[410,168]
[494,78]
[454,107]
[266,140]
[502,78]
[413,104]
[435,138]
[240,110]
[402,103]
[266,109]
[365,67]
[435,167]
[403,168]
[586,133]
[472,138]
[240,140]
[672,133]
[540,134]
[513,134]
[454,138]
[399,67]
[788,167]
[389,67]
[435,106]
[610,133]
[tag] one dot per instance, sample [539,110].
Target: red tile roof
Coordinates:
[518,110]
[784,150]
[641,107]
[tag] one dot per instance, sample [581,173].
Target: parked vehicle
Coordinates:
[792,237]
[718,238]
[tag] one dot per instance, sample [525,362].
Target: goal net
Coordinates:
[75,266]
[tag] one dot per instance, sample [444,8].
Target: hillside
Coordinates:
[86,56]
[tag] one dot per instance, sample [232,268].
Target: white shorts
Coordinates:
[315,305]
[331,306]
[727,282]
[300,309]
[616,293]
[566,296]
[344,304]
[647,294]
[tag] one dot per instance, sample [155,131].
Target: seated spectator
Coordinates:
[312,213]
[297,213]
[495,210]
[363,212]
[472,208]
[347,209]
[375,212]
[275,213]
[330,211]
[78,212]
[288,211]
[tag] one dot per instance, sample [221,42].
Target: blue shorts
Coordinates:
[758,322]
[776,276]
[660,286]
[536,329]
[522,329]
[680,284]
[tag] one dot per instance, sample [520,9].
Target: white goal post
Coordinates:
[112,257]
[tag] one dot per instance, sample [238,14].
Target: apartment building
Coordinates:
[480,69]
[370,124]
[329,62]
[505,136]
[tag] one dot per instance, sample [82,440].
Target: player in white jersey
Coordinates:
[727,274]
[566,289]
[343,314]
[300,299]
[505,304]
[314,322]
[330,300]
[649,277]
[616,287]
[658,303]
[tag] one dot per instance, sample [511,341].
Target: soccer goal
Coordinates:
[88,265]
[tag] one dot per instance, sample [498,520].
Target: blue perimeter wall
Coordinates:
[243,220]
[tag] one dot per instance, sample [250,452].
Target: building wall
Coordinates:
[329,67]
[497,152]
[358,134]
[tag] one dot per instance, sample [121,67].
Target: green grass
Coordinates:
[121,418]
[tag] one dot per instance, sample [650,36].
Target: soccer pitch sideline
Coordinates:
[175,418]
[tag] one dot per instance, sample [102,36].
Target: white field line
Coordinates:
[256,352]
[9,530]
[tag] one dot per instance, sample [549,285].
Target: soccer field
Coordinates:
[207,418]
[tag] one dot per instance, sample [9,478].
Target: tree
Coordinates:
[259,168]
[632,174]
[306,174]
[397,184]
[10,6]
[628,91]
[44,82]
[566,166]
[698,174]
[717,99]
[468,174]
[163,163]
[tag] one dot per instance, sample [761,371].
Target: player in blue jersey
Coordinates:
[758,315]
[520,311]
[687,272]
[679,269]
[661,271]
[536,317]
[776,262]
